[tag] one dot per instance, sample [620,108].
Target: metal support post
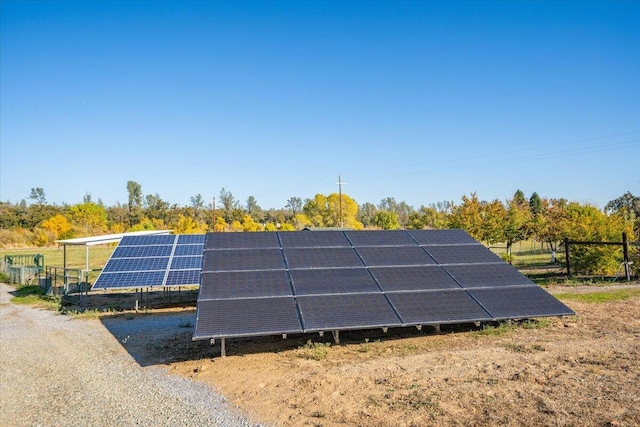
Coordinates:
[336,337]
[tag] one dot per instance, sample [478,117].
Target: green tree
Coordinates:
[38,196]
[135,202]
[88,218]
[386,220]
[294,204]
[468,216]
[366,212]
[254,210]
[627,206]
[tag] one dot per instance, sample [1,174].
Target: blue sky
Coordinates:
[421,101]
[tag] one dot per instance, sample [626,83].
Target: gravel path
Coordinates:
[60,371]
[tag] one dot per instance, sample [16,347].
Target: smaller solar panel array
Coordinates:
[148,261]
[298,282]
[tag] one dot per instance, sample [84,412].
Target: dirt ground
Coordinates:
[582,370]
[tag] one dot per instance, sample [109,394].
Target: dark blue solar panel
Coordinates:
[380,238]
[333,312]
[519,302]
[186,250]
[454,306]
[394,256]
[330,281]
[462,254]
[243,259]
[441,237]
[487,275]
[413,278]
[191,239]
[321,257]
[142,251]
[308,239]
[186,262]
[183,277]
[241,240]
[245,284]
[136,264]
[246,317]
[139,279]
[163,239]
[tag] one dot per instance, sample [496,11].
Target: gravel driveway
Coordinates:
[60,371]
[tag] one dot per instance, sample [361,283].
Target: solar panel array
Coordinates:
[147,261]
[256,284]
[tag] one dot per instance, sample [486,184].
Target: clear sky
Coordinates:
[423,101]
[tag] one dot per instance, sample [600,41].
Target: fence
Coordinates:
[22,269]
[625,252]
[71,284]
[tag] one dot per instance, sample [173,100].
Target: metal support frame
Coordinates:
[336,336]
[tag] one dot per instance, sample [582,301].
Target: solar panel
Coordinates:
[330,281]
[246,317]
[321,257]
[242,240]
[462,254]
[185,250]
[245,284]
[186,262]
[164,239]
[140,279]
[243,259]
[380,238]
[519,302]
[136,264]
[312,239]
[394,256]
[334,312]
[452,306]
[142,251]
[413,278]
[487,275]
[183,277]
[441,237]
[191,239]
[278,283]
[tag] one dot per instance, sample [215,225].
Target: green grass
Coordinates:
[600,297]
[76,255]
[32,295]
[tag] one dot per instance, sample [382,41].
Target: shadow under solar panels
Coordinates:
[321,258]
[306,239]
[333,281]
[462,254]
[519,302]
[242,240]
[487,275]
[245,284]
[394,256]
[421,308]
[441,237]
[246,317]
[380,238]
[335,312]
[413,278]
[242,259]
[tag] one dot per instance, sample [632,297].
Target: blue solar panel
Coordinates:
[186,262]
[394,256]
[186,250]
[310,239]
[163,239]
[245,284]
[380,238]
[243,259]
[142,251]
[191,239]
[136,264]
[487,275]
[321,257]
[462,254]
[328,281]
[413,278]
[183,277]
[138,279]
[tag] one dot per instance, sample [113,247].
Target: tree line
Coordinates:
[519,218]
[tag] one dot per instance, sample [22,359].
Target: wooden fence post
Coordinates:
[625,252]
[566,256]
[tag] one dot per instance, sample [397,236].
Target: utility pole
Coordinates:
[340,198]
